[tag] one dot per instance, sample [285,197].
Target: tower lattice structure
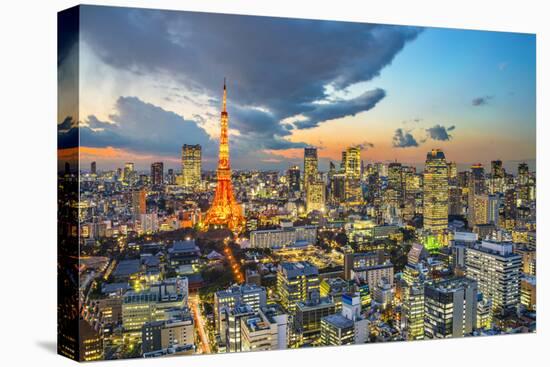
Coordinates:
[224,211]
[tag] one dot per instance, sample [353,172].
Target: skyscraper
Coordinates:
[351,162]
[394,192]
[310,165]
[191,161]
[523,173]
[476,186]
[436,192]
[351,167]
[225,211]
[157,174]
[294,180]
[93,168]
[128,175]
[496,169]
[171,177]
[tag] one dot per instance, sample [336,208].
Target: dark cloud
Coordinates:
[66,124]
[403,139]
[281,66]
[481,101]
[324,112]
[439,132]
[67,133]
[143,127]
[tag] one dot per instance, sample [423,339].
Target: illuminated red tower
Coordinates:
[224,211]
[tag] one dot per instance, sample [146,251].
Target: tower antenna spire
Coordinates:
[224,103]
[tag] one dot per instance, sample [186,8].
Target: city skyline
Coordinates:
[321,225]
[476,100]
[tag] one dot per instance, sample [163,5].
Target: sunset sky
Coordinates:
[151,81]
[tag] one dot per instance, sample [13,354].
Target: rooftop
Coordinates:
[294,269]
[127,268]
[338,320]
[184,246]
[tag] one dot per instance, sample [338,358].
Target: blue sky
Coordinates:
[151,81]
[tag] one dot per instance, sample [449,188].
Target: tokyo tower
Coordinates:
[224,211]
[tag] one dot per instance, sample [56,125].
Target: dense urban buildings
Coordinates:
[320,263]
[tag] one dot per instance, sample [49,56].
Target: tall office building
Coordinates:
[496,169]
[171,177]
[452,173]
[351,162]
[157,174]
[476,186]
[338,188]
[497,269]
[128,175]
[436,192]
[191,162]
[351,167]
[313,185]
[296,281]
[311,166]
[93,168]
[411,192]
[394,191]
[315,196]
[293,180]
[523,173]
[450,308]
[486,209]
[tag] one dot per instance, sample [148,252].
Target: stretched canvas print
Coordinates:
[232,183]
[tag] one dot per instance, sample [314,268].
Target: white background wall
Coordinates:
[28,179]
